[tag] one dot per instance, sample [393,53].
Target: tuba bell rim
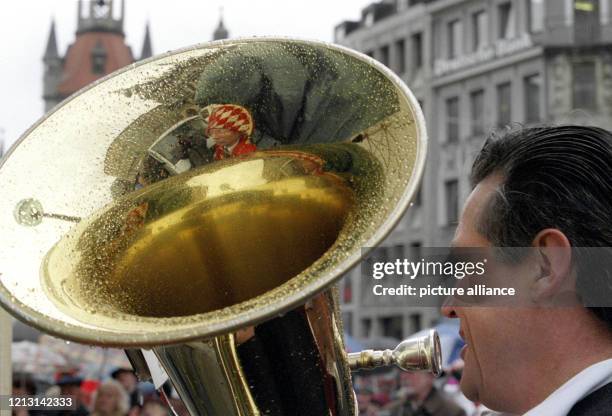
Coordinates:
[102,337]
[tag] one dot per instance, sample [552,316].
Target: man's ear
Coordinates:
[553,253]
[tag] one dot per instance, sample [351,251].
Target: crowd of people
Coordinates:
[399,393]
[391,393]
[119,395]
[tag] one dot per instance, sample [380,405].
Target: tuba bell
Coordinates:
[202,204]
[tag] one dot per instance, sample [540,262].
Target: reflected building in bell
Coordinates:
[475,66]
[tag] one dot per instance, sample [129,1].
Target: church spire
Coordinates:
[220,32]
[51,49]
[147,49]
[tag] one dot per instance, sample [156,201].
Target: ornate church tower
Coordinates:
[98,49]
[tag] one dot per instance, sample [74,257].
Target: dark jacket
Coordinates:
[598,403]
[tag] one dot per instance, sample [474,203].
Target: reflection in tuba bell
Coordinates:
[202,204]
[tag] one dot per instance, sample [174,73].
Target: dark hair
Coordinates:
[23,381]
[552,177]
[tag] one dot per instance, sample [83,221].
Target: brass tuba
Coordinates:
[128,220]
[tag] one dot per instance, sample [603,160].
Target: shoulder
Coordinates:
[244,147]
[598,403]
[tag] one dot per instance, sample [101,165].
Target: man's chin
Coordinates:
[469,387]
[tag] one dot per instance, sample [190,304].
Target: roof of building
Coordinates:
[220,32]
[51,49]
[78,68]
[147,49]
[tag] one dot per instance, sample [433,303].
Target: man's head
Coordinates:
[23,385]
[70,385]
[111,398]
[550,189]
[126,378]
[153,408]
[224,137]
[227,123]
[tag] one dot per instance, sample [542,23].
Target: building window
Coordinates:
[369,19]
[532,85]
[381,254]
[347,321]
[402,5]
[97,64]
[585,5]
[370,54]
[480,25]
[98,58]
[604,9]
[507,24]
[398,252]
[451,190]
[415,322]
[340,33]
[400,53]
[504,104]
[455,39]
[417,201]
[384,55]
[452,120]
[535,15]
[366,327]
[347,289]
[586,22]
[477,112]
[585,93]
[417,51]
[392,327]
[415,251]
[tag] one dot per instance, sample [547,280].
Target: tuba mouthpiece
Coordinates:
[413,354]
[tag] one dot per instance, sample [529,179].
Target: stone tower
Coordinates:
[98,49]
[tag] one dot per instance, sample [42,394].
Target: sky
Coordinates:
[24,29]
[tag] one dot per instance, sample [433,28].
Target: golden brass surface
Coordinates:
[212,238]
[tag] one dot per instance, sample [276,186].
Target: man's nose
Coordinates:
[448,308]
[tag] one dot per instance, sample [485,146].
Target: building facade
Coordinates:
[475,66]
